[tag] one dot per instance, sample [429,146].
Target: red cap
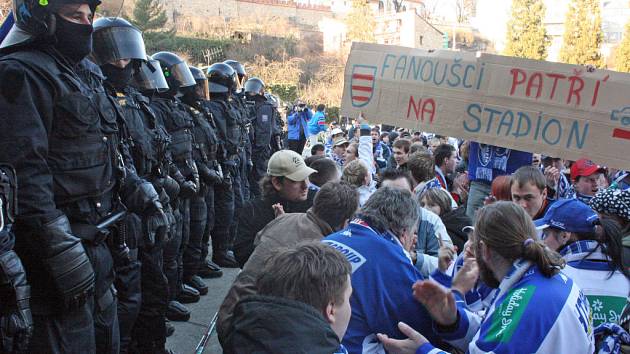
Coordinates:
[584,167]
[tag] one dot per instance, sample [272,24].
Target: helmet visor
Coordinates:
[201,89]
[150,77]
[116,43]
[218,88]
[180,73]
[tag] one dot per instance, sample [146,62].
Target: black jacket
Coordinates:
[265,324]
[455,221]
[255,215]
[60,141]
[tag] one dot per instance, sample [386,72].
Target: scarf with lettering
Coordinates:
[519,269]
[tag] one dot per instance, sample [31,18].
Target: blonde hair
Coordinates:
[439,197]
[355,173]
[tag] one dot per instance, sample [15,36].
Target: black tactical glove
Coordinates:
[170,217]
[141,198]
[171,187]
[188,189]
[66,261]
[195,176]
[209,175]
[227,177]
[16,321]
[156,228]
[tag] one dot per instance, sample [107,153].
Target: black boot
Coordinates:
[177,312]
[170,329]
[210,270]
[224,259]
[197,283]
[188,295]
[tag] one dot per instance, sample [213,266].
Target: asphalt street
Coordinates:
[188,334]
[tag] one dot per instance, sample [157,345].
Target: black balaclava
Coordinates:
[219,96]
[116,76]
[189,95]
[74,40]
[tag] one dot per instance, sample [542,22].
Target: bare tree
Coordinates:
[428,10]
[326,85]
[464,9]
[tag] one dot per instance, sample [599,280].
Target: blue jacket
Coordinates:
[486,162]
[317,123]
[382,277]
[530,313]
[298,122]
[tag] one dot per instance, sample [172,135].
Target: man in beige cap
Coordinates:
[334,206]
[286,183]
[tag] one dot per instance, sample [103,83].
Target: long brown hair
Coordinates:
[504,227]
[266,185]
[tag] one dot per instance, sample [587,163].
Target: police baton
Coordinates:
[204,340]
[110,220]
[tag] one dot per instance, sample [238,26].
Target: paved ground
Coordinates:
[188,334]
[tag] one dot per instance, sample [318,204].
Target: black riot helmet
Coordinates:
[34,19]
[175,70]
[254,87]
[239,69]
[221,78]
[115,39]
[201,88]
[149,77]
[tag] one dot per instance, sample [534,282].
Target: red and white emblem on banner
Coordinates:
[362,84]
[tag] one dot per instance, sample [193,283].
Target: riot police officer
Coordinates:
[149,338]
[179,124]
[16,321]
[241,74]
[263,128]
[244,115]
[247,115]
[222,82]
[119,50]
[276,140]
[205,152]
[64,142]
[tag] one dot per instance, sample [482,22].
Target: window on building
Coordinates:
[420,38]
[381,7]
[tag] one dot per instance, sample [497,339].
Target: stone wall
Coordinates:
[300,14]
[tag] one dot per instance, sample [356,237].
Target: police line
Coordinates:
[563,110]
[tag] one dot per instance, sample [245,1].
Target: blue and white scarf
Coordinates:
[610,337]
[572,194]
[423,187]
[584,251]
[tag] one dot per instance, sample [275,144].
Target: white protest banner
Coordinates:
[555,109]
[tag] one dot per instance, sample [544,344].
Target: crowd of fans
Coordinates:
[119,168]
[417,243]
